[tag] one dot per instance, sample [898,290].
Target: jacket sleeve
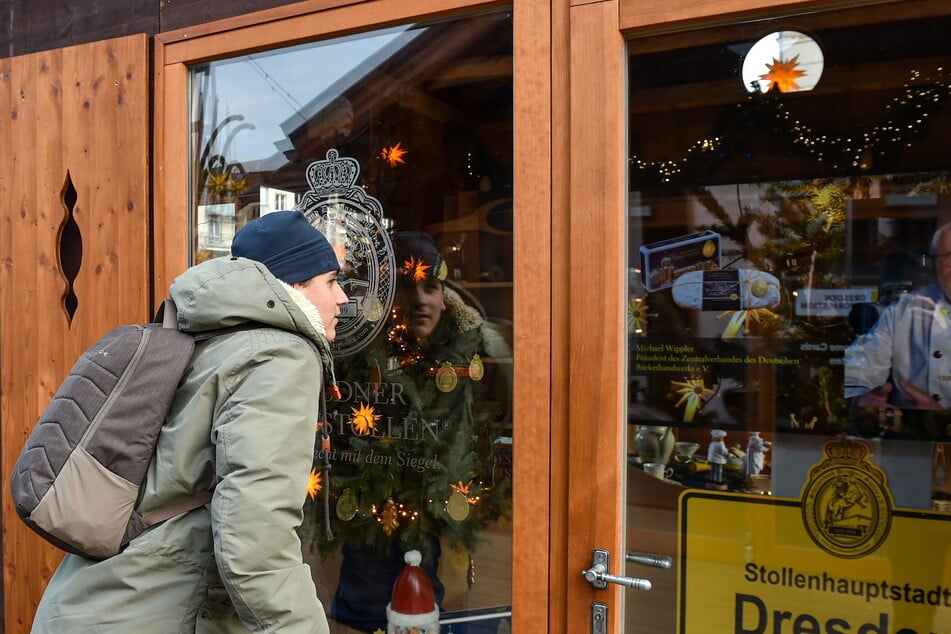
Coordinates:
[264,436]
[868,360]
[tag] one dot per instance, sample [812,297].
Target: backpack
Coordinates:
[78,478]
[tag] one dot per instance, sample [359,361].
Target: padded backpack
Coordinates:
[78,478]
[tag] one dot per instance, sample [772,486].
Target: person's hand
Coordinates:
[922,399]
[877,398]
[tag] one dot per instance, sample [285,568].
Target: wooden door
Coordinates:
[616,502]
[74,242]
[538,586]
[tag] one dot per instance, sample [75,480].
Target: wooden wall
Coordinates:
[74,144]
[30,26]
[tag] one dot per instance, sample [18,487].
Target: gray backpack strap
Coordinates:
[167,316]
[170,318]
[176,508]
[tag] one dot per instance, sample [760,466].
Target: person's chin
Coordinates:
[422,326]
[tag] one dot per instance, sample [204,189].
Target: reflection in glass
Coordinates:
[420,437]
[787,61]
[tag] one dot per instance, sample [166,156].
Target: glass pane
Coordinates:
[788,316]
[398,145]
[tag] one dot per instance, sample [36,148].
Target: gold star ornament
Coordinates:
[783,75]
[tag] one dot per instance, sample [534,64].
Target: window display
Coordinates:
[769,233]
[787,321]
[397,145]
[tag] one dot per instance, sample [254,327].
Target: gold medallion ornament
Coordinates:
[389,518]
[372,308]
[476,369]
[458,506]
[446,379]
[460,560]
[347,506]
[846,502]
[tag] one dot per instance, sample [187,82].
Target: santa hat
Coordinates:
[412,604]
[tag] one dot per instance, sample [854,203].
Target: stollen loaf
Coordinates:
[731,289]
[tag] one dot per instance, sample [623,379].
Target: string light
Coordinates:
[908,115]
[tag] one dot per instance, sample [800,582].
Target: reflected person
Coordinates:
[442,394]
[904,361]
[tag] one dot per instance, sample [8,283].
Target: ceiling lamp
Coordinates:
[784,61]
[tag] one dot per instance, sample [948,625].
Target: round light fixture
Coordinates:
[787,61]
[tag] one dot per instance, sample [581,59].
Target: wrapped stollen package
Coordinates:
[732,289]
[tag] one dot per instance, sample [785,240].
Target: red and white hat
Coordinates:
[412,607]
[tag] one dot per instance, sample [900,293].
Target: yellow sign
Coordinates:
[840,560]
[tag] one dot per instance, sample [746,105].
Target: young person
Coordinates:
[448,372]
[243,423]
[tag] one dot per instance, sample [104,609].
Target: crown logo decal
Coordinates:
[332,182]
[844,450]
[334,174]
[353,222]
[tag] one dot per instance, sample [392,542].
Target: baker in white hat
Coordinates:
[717,455]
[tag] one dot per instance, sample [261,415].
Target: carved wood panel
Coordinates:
[75,249]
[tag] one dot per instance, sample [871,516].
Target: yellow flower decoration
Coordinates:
[742,317]
[314,484]
[694,393]
[637,314]
[736,322]
[829,201]
[217,183]
[239,186]
[364,419]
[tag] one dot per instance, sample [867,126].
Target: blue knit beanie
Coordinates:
[290,247]
[417,254]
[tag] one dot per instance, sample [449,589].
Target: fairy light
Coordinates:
[859,151]
[401,509]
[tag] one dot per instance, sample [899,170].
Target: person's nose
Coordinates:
[341,296]
[415,295]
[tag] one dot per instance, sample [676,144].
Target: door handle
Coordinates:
[647,559]
[599,577]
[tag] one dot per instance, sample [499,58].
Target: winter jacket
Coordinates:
[243,422]
[459,429]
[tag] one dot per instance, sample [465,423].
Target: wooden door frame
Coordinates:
[540,469]
[634,15]
[597,295]
[596,281]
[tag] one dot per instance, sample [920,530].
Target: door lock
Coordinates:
[599,618]
[599,577]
